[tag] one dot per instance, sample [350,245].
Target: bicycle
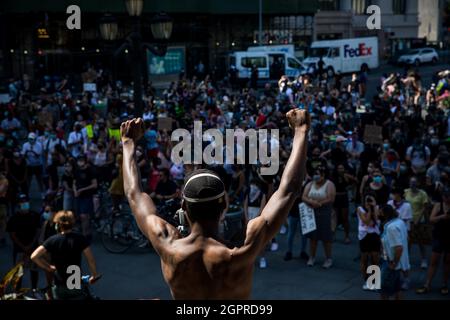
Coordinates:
[10,291]
[120,232]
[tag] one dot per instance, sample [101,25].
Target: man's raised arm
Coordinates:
[157,230]
[266,226]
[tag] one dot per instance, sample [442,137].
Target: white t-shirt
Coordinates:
[33,153]
[404,212]
[363,229]
[76,137]
[49,147]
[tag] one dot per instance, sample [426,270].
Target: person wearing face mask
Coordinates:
[419,156]
[440,165]
[366,179]
[84,187]
[76,141]
[24,229]
[343,181]
[33,153]
[47,230]
[378,187]
[391,166]
[320,195]
[419,225]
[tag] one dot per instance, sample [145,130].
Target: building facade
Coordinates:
[404,23]
[34,39]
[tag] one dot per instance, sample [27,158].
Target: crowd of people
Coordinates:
[395,185]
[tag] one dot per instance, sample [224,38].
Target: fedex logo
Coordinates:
[361,51]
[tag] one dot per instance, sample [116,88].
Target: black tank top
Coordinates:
[441,230]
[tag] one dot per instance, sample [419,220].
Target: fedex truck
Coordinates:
[345,56]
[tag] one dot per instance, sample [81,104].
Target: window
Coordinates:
[259,62]
[360,6]
[329,5]
[334,53]
[399,6]
[292,63]
[427,51]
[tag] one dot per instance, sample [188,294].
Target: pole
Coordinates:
[260,23]
[137,70]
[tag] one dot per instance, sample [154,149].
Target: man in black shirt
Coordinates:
[65,249]
[84,187]
[24,229]
[166,189]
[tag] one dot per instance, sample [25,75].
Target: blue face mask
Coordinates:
[25,206]
[46,215]
[378,179]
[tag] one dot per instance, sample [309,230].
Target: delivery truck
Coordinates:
[345,55]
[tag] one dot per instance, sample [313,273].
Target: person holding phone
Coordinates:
[369,235]
[65,249]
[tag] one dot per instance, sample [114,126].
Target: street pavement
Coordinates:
[136,274]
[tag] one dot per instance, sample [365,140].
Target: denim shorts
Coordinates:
[85,206]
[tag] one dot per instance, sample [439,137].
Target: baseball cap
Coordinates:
[22,197]
[203,186]
[32,135]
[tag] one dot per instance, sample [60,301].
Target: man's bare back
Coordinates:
[198,266]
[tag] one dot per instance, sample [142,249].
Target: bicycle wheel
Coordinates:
[118,234]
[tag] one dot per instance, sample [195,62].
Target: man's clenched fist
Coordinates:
[299,119]
[132,130]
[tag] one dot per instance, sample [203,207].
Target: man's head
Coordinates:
[32,138]
[64,221]
[24,203]
[388,213]
[397,195]
[165,174]
[82,161]
[203,196]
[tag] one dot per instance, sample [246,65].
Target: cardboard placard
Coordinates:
[307,218]
[90,87]
[165,124]
[373,134]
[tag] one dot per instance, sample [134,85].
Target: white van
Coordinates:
[271,64]
[346,55]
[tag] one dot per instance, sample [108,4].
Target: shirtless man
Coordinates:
[199,266]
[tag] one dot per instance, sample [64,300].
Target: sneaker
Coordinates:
[405,285]
[304,256]
[274,247]
[283,230]
[311,262]
[328,264]
[262,263]
[288,256]
[424,265]
[423,290]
